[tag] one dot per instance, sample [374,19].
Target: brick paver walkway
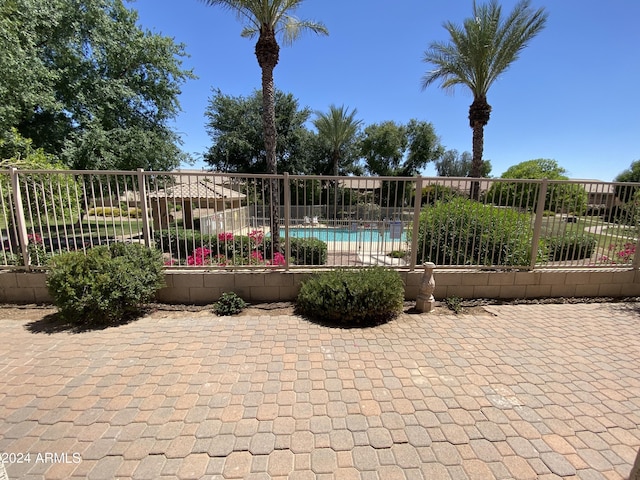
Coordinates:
[546,391]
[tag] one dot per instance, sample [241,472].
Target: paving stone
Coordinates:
[323,460]
[237,465]
[280,463]
[256,398]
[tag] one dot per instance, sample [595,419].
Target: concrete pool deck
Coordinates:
[520,392]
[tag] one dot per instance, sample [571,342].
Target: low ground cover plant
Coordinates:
[352,297]
[229,303]
[105,284]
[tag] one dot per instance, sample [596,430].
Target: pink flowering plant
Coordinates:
[620,254]
[225,237]
[278,260]
[200,256]
[232,250]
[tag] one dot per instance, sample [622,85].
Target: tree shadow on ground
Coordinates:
[635,470]
[55,323]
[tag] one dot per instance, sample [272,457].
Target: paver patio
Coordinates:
[532,391]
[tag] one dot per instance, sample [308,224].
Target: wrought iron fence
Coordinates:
[238,221]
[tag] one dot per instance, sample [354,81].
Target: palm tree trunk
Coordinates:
[267,53]
[479,113]
[476,163]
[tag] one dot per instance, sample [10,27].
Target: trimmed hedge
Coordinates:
[308,251]
[570,247]
[352,297]
[465,232]
[106,284]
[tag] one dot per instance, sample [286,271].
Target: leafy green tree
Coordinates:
[100,92]
[538,168]
[268,19]
[236,129]
[561,196]
[631,174]
[383,146]
[454,164]
[479,51]
[42,194]
[338,129]
[390,149]
[629,212]
[24,78]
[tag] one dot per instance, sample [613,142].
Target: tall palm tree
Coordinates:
[479,51]
[269,19]
[337,128]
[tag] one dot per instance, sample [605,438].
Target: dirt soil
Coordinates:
[159,310]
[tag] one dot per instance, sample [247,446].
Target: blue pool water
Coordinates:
[343,234]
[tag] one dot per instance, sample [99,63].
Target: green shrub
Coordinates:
[229,304]
[352,297]
[308,251]
[561,197]
[570,247]
[454,304]
[435,193]
[465,232]
[179,241]
[105,211]
[105,284]
[238,248]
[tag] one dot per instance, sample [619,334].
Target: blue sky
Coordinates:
[573,95]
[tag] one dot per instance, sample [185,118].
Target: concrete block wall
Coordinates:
[267,286]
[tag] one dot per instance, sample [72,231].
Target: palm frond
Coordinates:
[291,28]
[276,15]
[482,48]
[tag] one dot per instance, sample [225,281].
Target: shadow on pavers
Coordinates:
[635,471]
[56,323]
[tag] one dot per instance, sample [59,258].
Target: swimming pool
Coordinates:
[343,235]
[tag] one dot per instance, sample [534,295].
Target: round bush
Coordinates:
[105,284]
[352,297]
[465,232]
[229,303]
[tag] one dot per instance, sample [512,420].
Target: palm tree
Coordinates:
[337,128]
[269,19]
[478,53]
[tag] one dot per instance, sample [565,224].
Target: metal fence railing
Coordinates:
[235,221]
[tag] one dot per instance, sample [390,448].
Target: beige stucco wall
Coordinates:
[256,286]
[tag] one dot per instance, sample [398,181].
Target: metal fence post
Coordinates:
[417,206]
[18,217]
[287,220]
[636,257]
[537,227]
[142,191]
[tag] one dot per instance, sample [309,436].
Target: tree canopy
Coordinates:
[391,149]
[88,85]
[561,197]
[536,169]
[338,133]
[454,164]
[236,129]
[631,174]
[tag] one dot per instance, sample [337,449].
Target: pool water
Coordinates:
[343,235]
